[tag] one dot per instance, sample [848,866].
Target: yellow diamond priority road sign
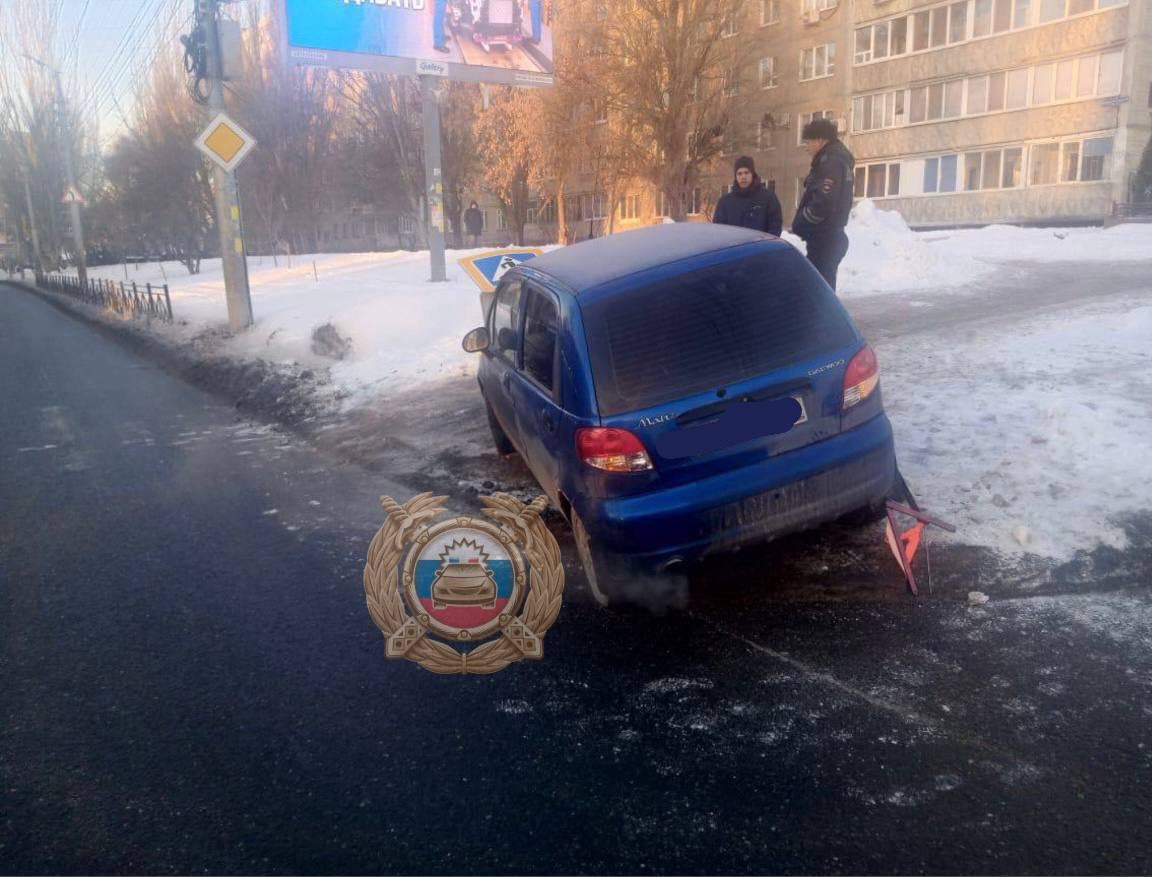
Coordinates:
[225,142]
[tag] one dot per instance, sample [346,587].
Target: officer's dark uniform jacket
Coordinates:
[755,207]
[827,198]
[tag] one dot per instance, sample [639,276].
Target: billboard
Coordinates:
[501,41]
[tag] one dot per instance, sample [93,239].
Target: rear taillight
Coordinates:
[613,450]
[861,377]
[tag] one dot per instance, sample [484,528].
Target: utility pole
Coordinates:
[433,179]
[73,205]
[228,220]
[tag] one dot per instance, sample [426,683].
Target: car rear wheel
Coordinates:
[500,439]
[596,568]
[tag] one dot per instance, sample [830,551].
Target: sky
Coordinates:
[106,46]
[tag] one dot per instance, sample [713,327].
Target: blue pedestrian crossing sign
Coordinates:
[487,268]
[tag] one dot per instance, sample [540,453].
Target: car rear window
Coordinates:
[707,328]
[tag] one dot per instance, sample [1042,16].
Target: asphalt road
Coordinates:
[190,682]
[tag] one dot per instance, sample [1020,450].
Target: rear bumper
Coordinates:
[795,491]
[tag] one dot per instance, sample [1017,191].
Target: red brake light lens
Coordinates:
[861,377]
[613,450]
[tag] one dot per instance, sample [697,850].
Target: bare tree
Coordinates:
[669,76]
[159,181]
[32,181]
[458,150]
[294,115]
[505,134]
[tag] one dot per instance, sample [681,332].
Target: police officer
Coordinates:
[750,203]
[827,199]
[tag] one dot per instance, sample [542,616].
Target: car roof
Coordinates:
[594,262]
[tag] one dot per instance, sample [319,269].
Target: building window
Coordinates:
[1045,163]
[1111,71]
[1096,159]
[958,22]
[877,181]
[599,111]
[1042,84]
[875,111]
[817,62]
[690,201]
[1016,82]
[769,12]
[630,207]
[940,174]
[728,26]
[768,73]
[732,83]
[766,136]
[812,8]
[863,44]
[993,169]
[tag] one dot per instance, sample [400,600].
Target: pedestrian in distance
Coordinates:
[473,223]
[827,199]
[749,204]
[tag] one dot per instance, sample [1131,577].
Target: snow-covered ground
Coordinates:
[1030,437]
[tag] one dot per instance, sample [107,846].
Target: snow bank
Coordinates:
[1008,243]
[886,256]
[1033,438]
[403,329]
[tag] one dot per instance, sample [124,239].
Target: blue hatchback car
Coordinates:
[680,390]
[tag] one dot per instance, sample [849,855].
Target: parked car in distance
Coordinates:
[681,390]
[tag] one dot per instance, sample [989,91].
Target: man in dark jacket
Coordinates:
[749,204]
[827,198]
[473,223]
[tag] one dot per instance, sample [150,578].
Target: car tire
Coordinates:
[500,439]
[598,567]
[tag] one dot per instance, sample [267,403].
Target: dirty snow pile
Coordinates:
[885,256]
[1030,439]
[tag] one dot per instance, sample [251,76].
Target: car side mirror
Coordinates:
[476,340]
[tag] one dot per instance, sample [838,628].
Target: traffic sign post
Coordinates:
[226,144]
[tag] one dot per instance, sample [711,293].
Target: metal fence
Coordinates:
[130,299]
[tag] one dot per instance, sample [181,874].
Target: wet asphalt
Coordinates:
[190,681]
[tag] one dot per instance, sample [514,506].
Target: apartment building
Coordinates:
[981,111]
[961,112]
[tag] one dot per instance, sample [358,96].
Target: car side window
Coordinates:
[506,320]
[541,328]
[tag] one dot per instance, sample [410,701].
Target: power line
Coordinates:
[112,91]
[109,72]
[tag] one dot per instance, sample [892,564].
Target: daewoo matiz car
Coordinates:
[680,390]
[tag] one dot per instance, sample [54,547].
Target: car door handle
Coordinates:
[547,421]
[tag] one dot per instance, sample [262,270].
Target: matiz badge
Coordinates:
[494,586]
